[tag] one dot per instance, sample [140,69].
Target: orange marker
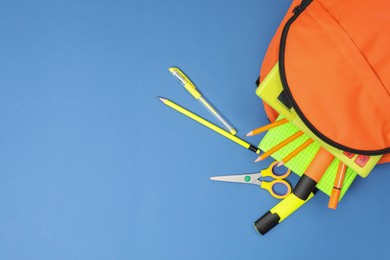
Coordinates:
[295,152]
[338,184]
[279,146]
[267,127]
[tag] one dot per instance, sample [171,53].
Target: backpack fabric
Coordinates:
[334,64]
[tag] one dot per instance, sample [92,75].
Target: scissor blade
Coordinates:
[241,178]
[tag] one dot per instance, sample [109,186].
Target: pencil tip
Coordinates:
[249,134]
[258,159]
[162,99]
[280,164]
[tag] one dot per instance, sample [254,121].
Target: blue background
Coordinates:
[93,166]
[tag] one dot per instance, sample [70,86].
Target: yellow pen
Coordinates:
[196,94]
[210,125]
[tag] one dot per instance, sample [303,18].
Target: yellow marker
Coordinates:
[210,125]
[195,93]
[280,212]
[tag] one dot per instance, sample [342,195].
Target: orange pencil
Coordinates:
[267,127]
[295,152]
[338,184]
[279,146]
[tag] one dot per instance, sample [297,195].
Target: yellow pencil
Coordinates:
[210,125]
[279,146]
[267,127]
[186,82]
[295,152]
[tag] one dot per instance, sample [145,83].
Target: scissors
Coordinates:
[253,178]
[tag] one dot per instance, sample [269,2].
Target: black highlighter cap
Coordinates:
[304,187]
[266,222]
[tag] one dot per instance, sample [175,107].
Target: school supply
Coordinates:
[313,174]
[198,96]
[326,72]
[273,187]
[272,92]
[338,183]
[304,188]
[299,163]
[295,152]
[279,146]
[210,125]
[341,89]
[267,127]
[280,212]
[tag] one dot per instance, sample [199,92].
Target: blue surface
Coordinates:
[93,166]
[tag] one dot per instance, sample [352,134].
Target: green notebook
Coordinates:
[299,163]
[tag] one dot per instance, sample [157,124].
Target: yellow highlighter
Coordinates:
[280,212]
[196,94]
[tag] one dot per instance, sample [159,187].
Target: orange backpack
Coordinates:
[334,64]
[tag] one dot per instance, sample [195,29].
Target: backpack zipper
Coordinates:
[297,11]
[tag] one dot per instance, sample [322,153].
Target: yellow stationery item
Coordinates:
[254,178]
[196,94]
[210,125]
[278,213]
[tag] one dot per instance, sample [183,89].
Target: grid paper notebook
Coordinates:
[300,162]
